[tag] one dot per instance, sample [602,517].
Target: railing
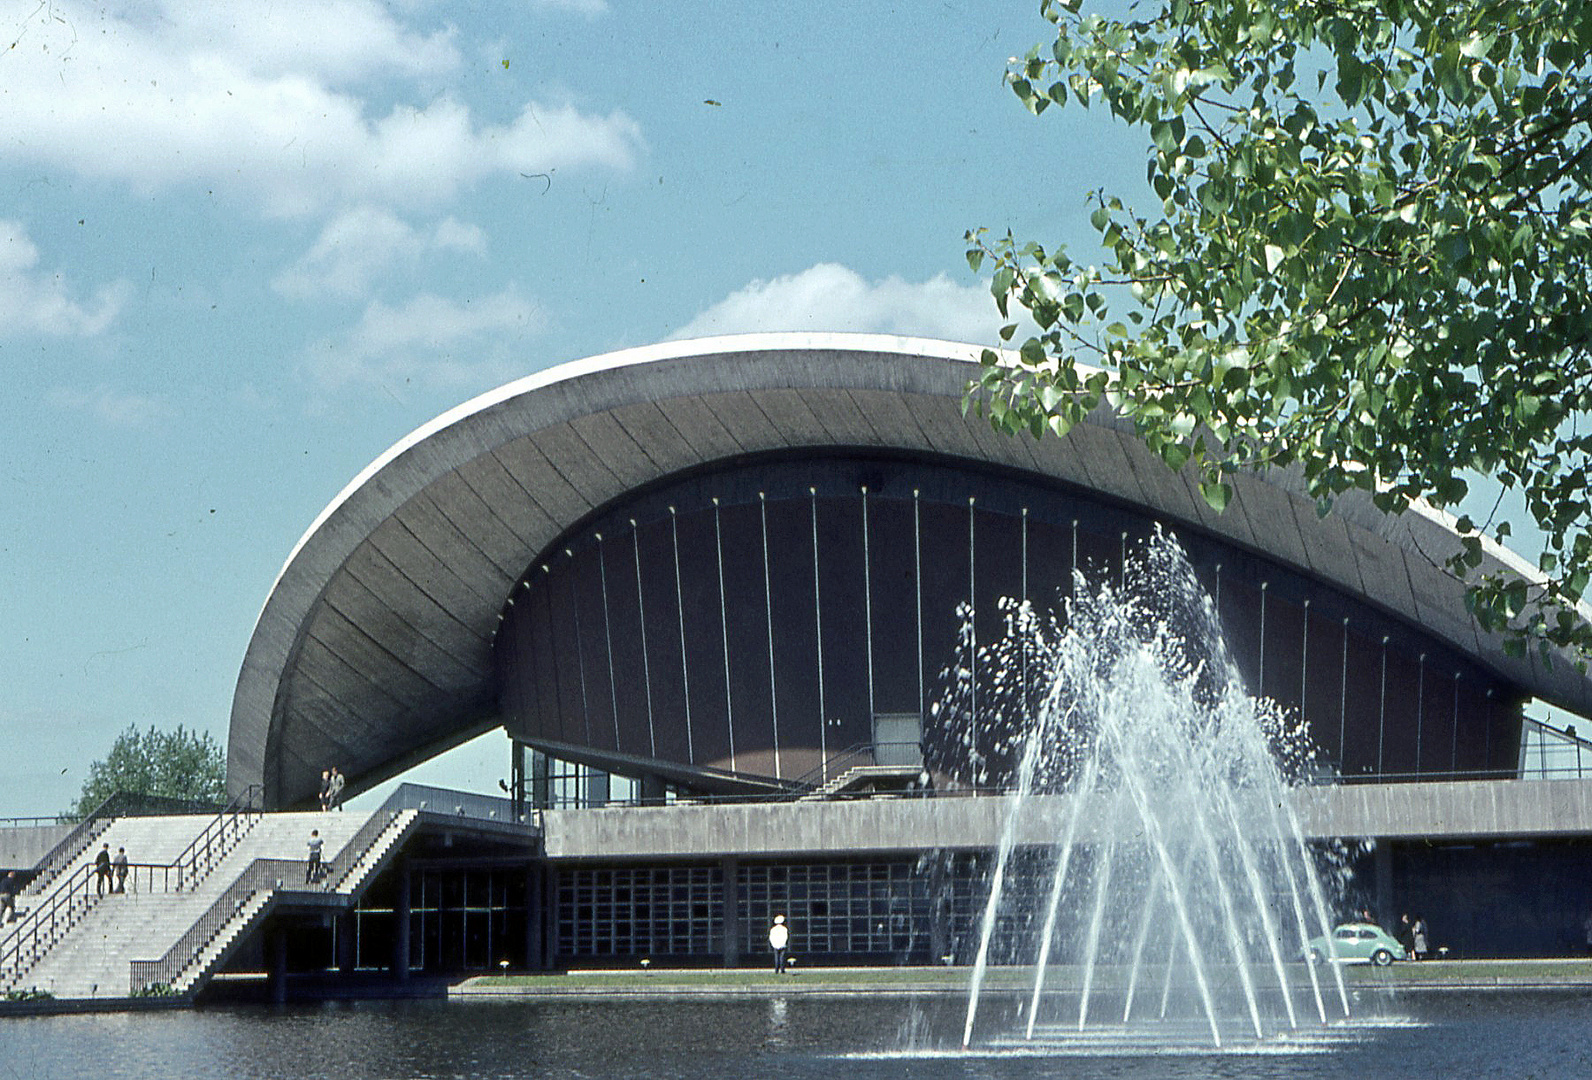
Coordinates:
[259,874]
[44,924]
[361,844]
[70,846]
[218,837]
[121,804]
[443,801]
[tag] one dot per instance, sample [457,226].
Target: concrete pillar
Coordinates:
[730,868]
[402,913]
[277,939]
[535,918]
[1383,877]
[343,930]
[549,915]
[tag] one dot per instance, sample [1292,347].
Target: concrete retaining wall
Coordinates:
[1451,810]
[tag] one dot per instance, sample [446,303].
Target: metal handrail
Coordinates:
[45,923]
[261,873]
[211,842]
[70,846]
[834,764]
[816,776]
[361,843]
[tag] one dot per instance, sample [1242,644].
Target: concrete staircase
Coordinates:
[93,958]
[865,777]
[347,876]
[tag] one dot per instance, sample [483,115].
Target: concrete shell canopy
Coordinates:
[373,649]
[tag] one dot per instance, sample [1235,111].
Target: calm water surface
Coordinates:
[1430,1036]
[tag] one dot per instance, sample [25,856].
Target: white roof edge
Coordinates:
[643,354]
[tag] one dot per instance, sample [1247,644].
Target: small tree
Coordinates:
[179,764]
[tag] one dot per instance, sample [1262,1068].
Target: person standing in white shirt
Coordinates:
[779,941]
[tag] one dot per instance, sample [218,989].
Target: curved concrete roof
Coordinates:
[373,649]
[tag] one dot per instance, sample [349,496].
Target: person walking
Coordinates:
[312,872]
[779,941]
[119,864]
[8,897]
[334,791]
[102,870]
[326,789]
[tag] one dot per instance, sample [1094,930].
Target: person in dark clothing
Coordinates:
[119,864]
[312,872]
[8,897]
[102,870]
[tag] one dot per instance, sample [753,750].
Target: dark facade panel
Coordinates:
[667,629]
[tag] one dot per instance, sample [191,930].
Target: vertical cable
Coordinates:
[972,645]
[685,670]
[724,631]
[608,637]
[1420,708]
[1022,614]
[580,650]
[1381,723]
[867,606]
[917,577]
[818,628]
[641,612]
[1304,661]
[768,606]
[1343,700]
[1260,689]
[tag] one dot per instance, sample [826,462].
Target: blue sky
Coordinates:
[246,247]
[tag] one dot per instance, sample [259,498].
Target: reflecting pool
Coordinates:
[1433,1034]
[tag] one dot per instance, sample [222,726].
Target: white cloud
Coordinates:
[116,408]
[361,245]
[40,302]
[266,102]
[832,297]
[430,340]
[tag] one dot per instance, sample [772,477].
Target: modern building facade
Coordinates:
[743,567]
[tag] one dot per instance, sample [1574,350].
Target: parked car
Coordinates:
[1359,943]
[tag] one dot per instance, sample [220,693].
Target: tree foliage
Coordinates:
[1369,260]
[178,764]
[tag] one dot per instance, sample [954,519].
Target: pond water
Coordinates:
[1541,1035]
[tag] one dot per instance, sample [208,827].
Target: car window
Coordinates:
[1367,935]
[1346,934]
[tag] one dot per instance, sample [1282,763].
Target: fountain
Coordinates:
[1148,835]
